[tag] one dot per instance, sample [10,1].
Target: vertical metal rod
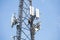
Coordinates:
[32,29]
[19,27]
[14,38]
[31,25]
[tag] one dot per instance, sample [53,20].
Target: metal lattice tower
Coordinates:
[25,26]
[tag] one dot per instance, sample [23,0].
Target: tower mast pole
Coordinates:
[31,24]
[19,27]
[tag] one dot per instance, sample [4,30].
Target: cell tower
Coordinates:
[26,28]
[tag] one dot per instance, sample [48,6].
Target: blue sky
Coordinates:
[49,17]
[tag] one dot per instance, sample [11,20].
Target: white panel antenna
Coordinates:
[31,10]
[37,13]
[13,20]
